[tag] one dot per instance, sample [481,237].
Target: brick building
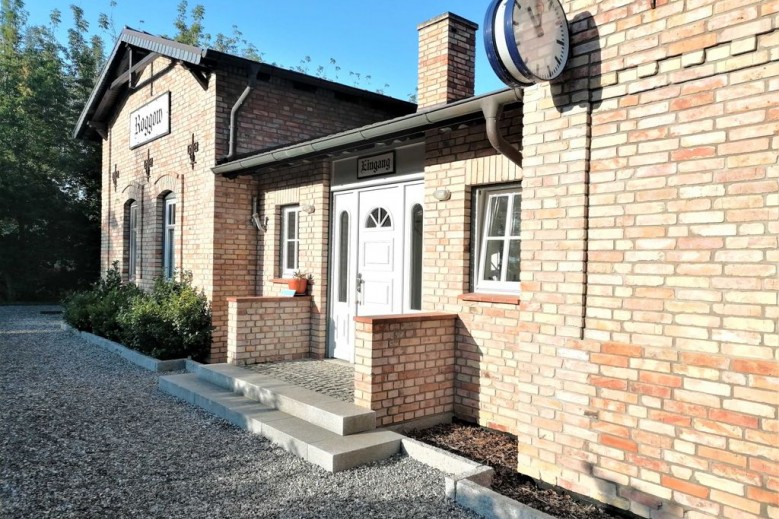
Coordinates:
[610,296]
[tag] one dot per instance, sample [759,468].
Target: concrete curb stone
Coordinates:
[468,483]
[139,359]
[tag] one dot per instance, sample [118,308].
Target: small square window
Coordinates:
[497,240]
[290,241]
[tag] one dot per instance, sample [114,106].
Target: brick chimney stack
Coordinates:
[447,60]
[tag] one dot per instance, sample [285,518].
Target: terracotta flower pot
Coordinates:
[299,285]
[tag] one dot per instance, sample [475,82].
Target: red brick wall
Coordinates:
[267,329]
[192,112]
[404,366]
[277,112]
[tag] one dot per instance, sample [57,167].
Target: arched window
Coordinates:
[169,237]
[378,218]
[132,241]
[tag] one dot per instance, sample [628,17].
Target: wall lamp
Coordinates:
[259,224]
[307,208]
[442,194]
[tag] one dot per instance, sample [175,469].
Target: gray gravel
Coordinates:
[84,433]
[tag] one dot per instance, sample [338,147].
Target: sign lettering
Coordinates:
[150,121]
[376,165]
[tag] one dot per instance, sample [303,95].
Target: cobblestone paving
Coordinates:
[334,378]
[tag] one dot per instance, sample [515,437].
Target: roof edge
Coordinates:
[405,125]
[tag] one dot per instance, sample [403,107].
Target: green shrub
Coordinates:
[96,310]
[172,321]
[76,310]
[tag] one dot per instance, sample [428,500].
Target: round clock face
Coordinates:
[527,40]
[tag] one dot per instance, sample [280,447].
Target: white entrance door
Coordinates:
[371,273]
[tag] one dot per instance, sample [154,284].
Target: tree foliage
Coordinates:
[49,183]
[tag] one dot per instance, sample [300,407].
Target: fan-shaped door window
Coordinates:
[378,218]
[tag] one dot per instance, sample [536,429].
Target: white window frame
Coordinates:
[169,237]
[132,263]
[285,240]
[480,239]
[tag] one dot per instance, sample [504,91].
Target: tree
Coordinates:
[49,192]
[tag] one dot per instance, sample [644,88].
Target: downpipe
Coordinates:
[493,111]
[237,106]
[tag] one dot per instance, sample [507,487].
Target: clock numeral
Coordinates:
[558,60]
[559,42]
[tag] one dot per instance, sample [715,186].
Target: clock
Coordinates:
[527,41]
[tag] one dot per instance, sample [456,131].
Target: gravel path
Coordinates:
[85,434]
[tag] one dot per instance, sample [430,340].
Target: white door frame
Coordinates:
[343,307]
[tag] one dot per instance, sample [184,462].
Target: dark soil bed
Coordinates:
[499,451]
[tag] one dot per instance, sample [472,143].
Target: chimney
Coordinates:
[447,60]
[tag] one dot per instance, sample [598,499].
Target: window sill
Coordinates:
[490,298]
[281,281]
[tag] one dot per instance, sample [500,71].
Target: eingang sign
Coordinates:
[376,165]
[151,121]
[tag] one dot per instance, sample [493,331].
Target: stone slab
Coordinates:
[322,447]
[321,410]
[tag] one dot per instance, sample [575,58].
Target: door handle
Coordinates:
[359,283]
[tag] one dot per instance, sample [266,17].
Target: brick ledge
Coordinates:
[271,299]
[490,298]
[405,318]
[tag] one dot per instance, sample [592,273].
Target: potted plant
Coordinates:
[299,282]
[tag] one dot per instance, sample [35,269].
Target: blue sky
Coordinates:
[373,37]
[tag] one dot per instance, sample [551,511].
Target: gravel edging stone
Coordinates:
[137,358]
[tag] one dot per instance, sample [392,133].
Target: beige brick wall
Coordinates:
[640,366]
[404,366]
[267,329]
[215,239]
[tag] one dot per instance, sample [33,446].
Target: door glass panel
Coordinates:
[415,302]
[343,258]
[497,212]
[493,260]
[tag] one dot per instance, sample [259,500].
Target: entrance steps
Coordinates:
[333,434]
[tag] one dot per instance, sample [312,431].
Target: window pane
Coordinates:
[497,212]
[493,260]
[291,256]
[512,268]
[415,302]
[516,210]
[172,214]
[291,227]
[343,258]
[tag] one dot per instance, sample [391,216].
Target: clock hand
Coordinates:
[535,18]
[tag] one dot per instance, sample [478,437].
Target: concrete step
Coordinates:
[314,444]
[321,410]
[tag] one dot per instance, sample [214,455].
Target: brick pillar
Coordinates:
[447,60]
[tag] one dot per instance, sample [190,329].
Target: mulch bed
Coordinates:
[499,451]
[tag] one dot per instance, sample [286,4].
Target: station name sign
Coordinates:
[151,121]
[376,165]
